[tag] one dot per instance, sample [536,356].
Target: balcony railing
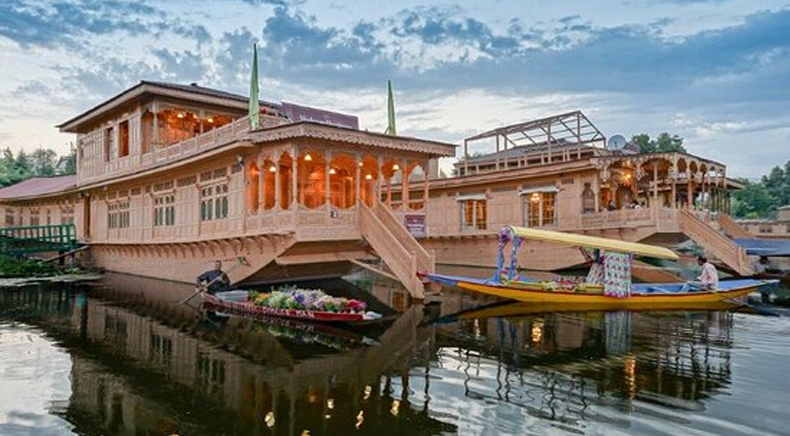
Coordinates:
[174,152]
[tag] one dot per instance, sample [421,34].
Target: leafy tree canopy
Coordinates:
[38,163]
[663,143]
[760,199]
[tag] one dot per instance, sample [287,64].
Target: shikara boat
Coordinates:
[237,303]
[594,294]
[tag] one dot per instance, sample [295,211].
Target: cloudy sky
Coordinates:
[716,72]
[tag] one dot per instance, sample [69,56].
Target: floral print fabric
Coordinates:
[617,274]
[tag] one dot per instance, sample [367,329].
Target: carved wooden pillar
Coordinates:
[405,186]
[689,190]
[155,135]
[327,182]
[380,176]
[294,183]
[654,201]
[262,170]
[358,180]
[425,186]
[277,184]
[597,192]
[389,188]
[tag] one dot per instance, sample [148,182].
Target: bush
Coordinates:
[12,267]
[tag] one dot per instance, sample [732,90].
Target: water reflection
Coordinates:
[141,364]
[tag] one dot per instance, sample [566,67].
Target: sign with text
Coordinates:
[415,224]
[298,113]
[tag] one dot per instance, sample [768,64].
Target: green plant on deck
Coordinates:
[12,267]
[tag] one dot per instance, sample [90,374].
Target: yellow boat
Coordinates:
[594,296]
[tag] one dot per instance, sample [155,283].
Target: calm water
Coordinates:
[121,358]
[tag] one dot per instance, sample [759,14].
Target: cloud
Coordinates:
[54,24]
[451,67]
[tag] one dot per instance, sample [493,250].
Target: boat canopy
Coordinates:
[593,242]
[765,247]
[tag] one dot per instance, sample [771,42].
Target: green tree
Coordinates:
[70,164]
[663,143]
[666,143]
[753,201]
[644,143]
[13,169]
[777,182]
[43,161]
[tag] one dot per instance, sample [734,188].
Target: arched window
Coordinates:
[253,183]
[285,174]
[343,181]
[588,199]
[393,173]
[417,179]
[369,174]
[311,180]
[269,174]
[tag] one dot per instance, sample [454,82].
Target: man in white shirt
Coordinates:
[709,279]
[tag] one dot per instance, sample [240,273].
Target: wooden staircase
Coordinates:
[395,246]
[731,228]
[715,243]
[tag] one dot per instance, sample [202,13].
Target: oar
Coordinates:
[241,260]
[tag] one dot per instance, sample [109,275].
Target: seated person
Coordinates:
[762,265]
[708,280]
[215,280]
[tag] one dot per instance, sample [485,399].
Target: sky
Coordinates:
[716,72]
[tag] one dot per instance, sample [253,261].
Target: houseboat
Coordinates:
[171,177]
[559,173]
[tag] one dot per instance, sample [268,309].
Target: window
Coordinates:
[766,228]
[474,214]
[165,210]
[9,217]
[109,144]
[588,199]
[214,202]
[67,214]
[539,209]
[118,215]
[123,139]
[34,217]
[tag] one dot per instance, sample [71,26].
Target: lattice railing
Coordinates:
[732,254]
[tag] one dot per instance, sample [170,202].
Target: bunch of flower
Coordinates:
[307,299]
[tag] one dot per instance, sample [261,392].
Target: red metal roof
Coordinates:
[38,186]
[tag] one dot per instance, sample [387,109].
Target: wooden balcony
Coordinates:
[210,140]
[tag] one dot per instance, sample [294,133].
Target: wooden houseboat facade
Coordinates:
[172,177]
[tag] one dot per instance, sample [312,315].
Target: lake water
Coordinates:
[123,358]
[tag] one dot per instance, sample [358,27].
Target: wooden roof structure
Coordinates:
[566,130]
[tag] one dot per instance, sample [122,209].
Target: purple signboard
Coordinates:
[298,113]
[415,224]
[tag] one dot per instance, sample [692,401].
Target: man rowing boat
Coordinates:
[215,280]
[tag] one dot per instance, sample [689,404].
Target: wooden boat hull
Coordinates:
[593,301]
[248,309]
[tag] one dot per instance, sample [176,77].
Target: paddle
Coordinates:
[241,260]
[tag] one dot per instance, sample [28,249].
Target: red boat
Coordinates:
[247,308]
